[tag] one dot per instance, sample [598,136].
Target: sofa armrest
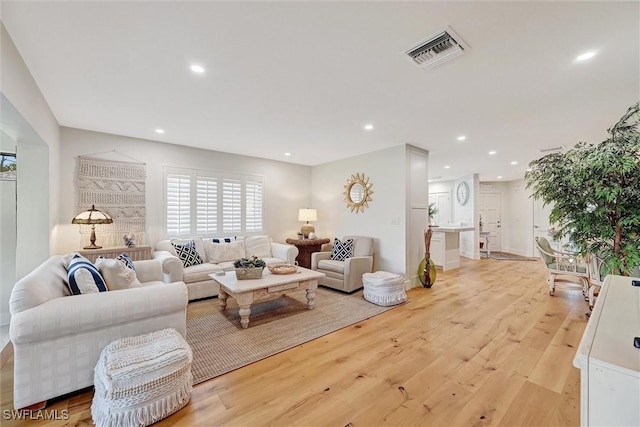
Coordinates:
[172,267]
[149,270]
[354,268]
[288,253]
[76,314]
[316,257]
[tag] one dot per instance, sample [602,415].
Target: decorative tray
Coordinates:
[283,269]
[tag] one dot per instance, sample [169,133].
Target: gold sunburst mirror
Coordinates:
[357,193]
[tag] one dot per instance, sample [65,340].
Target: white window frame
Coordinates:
[245,180]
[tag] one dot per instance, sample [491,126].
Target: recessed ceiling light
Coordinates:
[514,163]
[447,167]
[429,180]
[197,68]
[462,138]
[586,55]
[499,176]
[160,131]
[368,127]
[529,169]
[492,152]
[287,154]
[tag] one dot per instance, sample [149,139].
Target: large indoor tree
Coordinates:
[594,191]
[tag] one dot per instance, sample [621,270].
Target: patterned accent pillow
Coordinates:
[126,259]
[187,253]
[342,250]
[83,277]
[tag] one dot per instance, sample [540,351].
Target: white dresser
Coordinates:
[608,361]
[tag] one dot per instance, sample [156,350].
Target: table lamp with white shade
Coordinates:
[307,215]
[92,216]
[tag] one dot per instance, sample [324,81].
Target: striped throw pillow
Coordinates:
[342,250]
[83,277]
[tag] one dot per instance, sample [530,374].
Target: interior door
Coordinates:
[443,204]
[490,207]
[541,225]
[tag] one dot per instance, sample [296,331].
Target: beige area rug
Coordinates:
[220,344]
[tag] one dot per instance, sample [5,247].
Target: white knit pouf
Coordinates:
[384,288]
[141,380]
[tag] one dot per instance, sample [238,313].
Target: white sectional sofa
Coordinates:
[217,257]
[57,337]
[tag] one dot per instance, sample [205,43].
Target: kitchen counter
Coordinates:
[445,245]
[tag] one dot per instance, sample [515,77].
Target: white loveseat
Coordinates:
[57,337]
[199,283]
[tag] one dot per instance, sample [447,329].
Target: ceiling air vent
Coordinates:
[437,49]
[550,150]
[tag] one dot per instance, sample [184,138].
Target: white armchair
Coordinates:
[345,275]
[562,264]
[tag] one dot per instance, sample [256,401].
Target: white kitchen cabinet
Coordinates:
[608,361]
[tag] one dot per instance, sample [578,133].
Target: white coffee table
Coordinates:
[245,292]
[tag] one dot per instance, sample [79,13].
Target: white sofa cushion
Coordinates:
[116,274]
[200,272]
[258,246]
[220,252]
[331,265]
[46,282]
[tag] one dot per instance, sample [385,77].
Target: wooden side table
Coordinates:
[305,248]
[136,253]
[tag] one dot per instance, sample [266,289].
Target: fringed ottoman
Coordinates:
[143,379]
[384,288]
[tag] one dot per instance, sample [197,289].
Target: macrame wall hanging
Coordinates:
[118,189]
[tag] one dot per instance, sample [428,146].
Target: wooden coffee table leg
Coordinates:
[244,302]
[311,295]
[222,296]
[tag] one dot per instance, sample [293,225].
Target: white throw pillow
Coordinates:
[116,274]
[259,246]
[220,252]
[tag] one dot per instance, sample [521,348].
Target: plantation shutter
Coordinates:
[231,205]
[178,204]
[253,206]
[207,206]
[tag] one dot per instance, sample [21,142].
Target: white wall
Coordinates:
[286,185]
[38,190]
[468,216]
[384,219]
[418,210]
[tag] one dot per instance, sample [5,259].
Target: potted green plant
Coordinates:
[594,192]
[249,268]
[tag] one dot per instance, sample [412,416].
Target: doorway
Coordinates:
[490,208]
[442,202]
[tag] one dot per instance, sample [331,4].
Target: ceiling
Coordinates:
[305,77]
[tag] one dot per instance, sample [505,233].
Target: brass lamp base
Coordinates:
[306,229]
[92,239]
[92,246]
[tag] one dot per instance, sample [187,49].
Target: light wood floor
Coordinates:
[486,345]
